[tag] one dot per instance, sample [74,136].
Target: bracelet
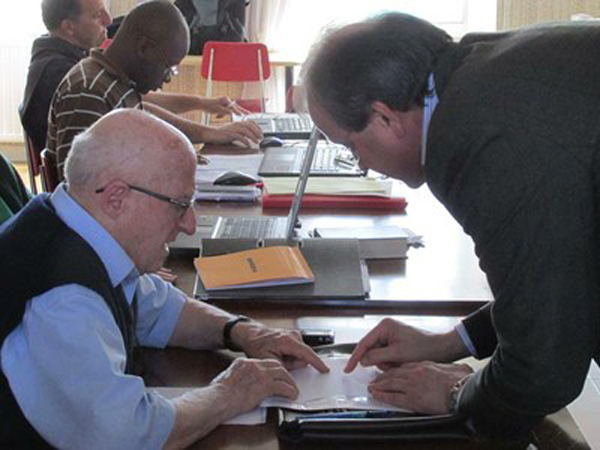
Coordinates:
[455,392]
[227,342]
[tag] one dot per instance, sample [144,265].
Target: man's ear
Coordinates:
[66,27]
[144,46]
[112,199]
[388,118]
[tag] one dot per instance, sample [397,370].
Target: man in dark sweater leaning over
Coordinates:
[504,128]
[78,296]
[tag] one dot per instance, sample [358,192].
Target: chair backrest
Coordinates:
[33,161]
[236,62]
[49,171]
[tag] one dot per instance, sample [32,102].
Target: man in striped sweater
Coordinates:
[151,42]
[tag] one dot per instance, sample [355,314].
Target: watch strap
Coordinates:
[227,341]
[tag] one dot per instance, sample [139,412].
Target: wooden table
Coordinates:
[432,289]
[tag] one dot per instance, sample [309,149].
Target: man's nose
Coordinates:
[187,224]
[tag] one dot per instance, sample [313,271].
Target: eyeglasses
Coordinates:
[170,71]
[182,204]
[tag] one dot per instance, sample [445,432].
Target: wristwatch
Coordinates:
[455,392]
[227,341]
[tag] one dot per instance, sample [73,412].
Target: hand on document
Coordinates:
[248,381]
[410,379]
[259,341]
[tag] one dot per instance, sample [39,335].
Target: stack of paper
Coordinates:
[333,192]
[330,186]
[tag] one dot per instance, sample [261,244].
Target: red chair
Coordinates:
[33,162]
[237,62]
[49,171]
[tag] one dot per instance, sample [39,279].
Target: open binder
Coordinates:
[316,421]
[335,263]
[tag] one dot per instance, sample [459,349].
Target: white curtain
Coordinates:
[262,20]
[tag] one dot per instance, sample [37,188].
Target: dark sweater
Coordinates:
[513,155]
[40,253]
[51,59]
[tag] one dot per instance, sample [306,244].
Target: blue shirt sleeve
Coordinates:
[65,364]
[159,307]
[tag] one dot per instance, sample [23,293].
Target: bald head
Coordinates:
[153,37]
[129,145]
[157,19]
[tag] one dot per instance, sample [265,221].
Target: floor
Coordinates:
[585,410]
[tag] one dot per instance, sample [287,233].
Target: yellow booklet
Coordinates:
[259,267]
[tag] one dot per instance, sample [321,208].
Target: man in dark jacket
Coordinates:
[504,130]
[74,27]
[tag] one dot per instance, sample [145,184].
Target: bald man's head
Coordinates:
[153,38]
[127,144]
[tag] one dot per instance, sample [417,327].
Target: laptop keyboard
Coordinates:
[295,123]
[249,227]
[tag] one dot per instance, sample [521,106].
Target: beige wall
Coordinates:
[516,13]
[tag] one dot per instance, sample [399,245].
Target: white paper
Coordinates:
[255,417]
[332,390]
[331,186]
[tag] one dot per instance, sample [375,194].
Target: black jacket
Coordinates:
[51,59]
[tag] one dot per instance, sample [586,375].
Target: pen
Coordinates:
[352,415]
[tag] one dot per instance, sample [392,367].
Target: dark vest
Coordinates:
[39,252]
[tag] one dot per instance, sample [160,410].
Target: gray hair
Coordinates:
[386,58]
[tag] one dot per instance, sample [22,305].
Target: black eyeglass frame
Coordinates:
[183,204]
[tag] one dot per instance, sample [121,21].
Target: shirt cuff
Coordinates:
[466,340]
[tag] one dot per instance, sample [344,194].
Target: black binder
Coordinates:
[409,427]
[335,264]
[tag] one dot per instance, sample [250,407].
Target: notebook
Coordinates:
[282,125]
[264,227]
[329,160]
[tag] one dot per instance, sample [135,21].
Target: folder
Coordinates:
[259,267]
[335,263]
[336,201]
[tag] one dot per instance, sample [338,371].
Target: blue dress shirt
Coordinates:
[65,362]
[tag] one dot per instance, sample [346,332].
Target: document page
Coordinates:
[333,390]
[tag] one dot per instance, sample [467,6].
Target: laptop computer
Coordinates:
[263,227]
[282,125]
[329,160]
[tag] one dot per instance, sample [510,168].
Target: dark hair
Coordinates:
[55,11]
[386,58]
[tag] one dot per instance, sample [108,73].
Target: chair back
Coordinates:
[49,171]
[33,161]
[235,62]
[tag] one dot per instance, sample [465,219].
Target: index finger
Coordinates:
[306,354]
[364,345]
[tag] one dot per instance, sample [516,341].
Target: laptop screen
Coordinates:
[301,185]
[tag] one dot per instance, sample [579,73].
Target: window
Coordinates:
[303,20]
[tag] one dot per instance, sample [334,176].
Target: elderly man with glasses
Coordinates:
[145,53]
[79,296]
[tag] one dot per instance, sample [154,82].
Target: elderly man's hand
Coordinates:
[245,132]
[423,387]
[259,341]
[249,381]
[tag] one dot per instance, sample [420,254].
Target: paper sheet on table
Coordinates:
[255,417]
[333,390]
[330,186]
[218,164]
